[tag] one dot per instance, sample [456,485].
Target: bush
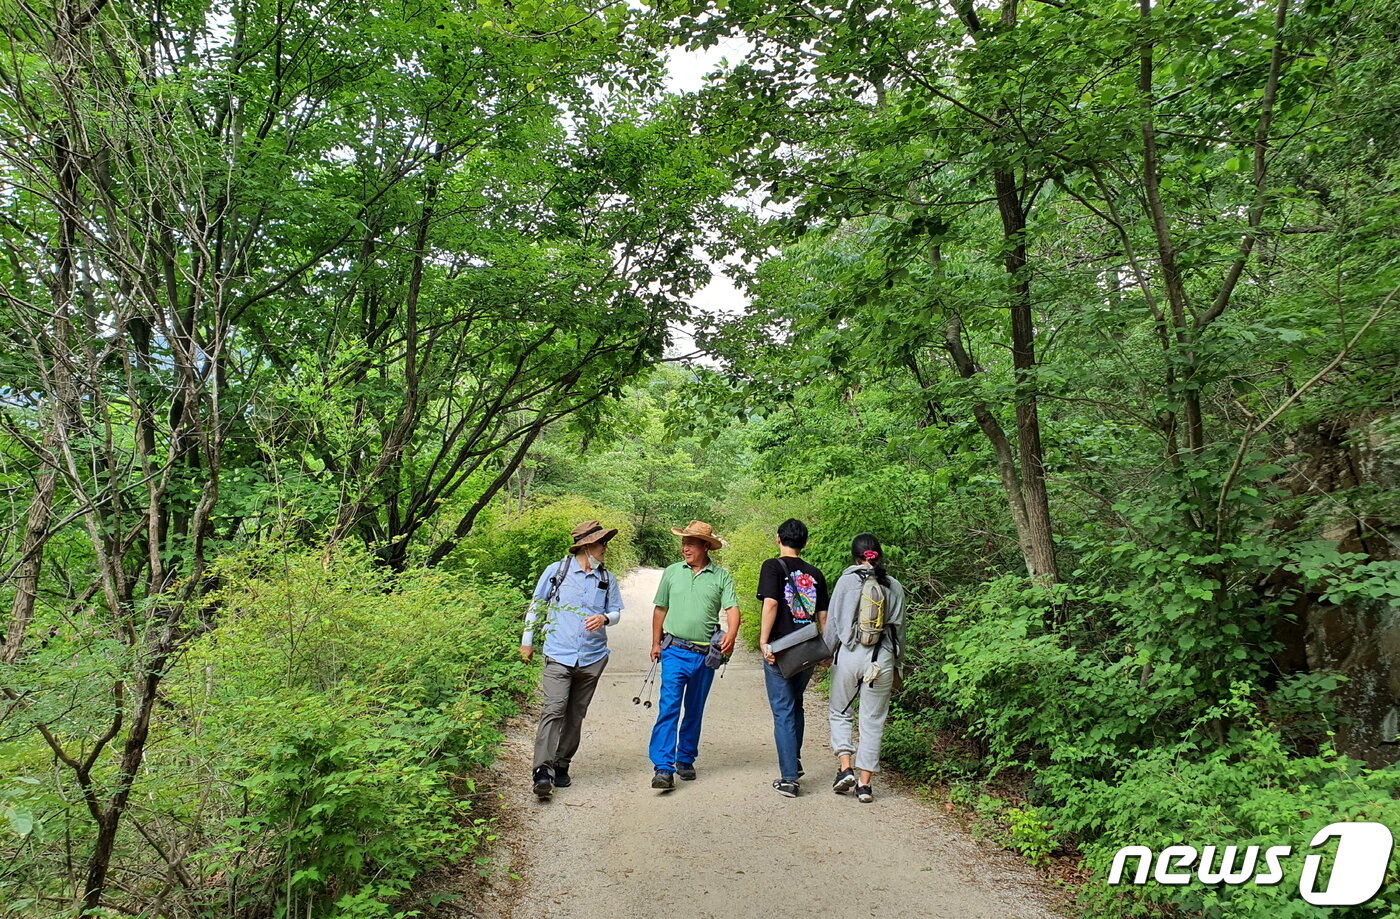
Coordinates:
[519,547]
[656,545]
[1112,732]
[334,719]
[1248,791]
[749,546]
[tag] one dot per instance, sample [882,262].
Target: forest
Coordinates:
[325,322]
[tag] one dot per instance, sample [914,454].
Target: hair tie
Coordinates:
[871,555]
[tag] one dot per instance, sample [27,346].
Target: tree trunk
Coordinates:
[1011,481]
[133,753]
[31,551]
[1039,541]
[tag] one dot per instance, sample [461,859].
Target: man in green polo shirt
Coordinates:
[688,601]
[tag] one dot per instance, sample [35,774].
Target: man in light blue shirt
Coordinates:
[578,599]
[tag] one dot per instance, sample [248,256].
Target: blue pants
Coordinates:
[685,682]
[785,699]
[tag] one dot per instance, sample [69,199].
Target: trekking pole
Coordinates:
[651,690]
[646,682]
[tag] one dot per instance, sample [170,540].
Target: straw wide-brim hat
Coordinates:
[701,530]
[589,532]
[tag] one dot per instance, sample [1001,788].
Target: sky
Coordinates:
[687,70]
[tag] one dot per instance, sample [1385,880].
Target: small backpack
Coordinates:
[870,610]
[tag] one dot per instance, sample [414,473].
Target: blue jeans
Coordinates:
[685,682]
[785,699]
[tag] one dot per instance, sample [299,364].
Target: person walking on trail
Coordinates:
[865,630]
[688,642]
[578,598]
[793,594]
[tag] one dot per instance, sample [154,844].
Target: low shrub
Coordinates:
[334,720]
[1105,722]
[1249,791]
[519,547]
[749,545]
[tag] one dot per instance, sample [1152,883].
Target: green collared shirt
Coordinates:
[693,600]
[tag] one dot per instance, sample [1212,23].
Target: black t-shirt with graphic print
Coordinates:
[773,581]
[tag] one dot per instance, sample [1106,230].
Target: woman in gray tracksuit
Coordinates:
[850,686]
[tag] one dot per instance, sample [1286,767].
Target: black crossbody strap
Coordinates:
[787,572]
[792,579]
[874,658]
[557,582]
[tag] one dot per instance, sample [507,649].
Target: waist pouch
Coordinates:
[714,657]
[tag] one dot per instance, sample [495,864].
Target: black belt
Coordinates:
[684,645]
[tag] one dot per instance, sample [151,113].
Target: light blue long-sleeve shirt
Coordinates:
[580,595]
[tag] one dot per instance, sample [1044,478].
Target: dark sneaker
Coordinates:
[863,794]
[686,771]
[800,771]
[544,783]
[663,780]
[561,777]
[845,781]
[785,788]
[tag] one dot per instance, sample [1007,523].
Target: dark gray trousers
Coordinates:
[567,694]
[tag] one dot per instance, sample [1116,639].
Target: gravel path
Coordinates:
[727,844]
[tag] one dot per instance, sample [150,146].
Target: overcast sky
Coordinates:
[687,74]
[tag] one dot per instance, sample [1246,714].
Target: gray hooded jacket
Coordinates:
[841,614]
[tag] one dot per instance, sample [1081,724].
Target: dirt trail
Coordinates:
[727,844]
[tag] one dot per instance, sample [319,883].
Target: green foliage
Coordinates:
[346,801]
[1122,745]
[346,702]
[417,274]
[298,272]
[1029,833]
[320,743]
[1248,790]
[519,547]
[650,456]
[749,546]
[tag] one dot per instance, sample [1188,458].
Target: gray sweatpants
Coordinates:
[849,697]
[567,693]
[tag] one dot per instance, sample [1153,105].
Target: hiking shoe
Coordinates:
[663,780]
[785,788]
[686,771]
[561,777]
[845,781]
[544,783]
[863,794]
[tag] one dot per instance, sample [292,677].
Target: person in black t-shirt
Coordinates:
[793,594]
